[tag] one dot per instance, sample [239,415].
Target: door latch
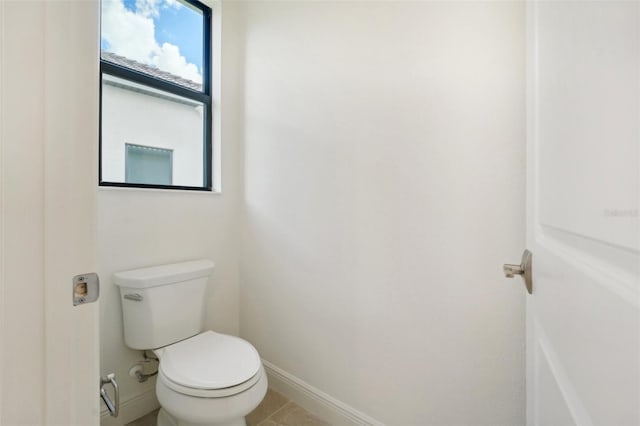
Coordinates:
[86,288]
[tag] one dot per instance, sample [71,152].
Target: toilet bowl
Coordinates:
[209,379]
[204,378]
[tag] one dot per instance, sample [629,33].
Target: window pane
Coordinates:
[137,115]
[145,164]
[162,38]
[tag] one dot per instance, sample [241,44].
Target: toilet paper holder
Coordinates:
[112,406]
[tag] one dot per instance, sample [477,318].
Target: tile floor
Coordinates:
[274,410]
[148,420]
[277,410]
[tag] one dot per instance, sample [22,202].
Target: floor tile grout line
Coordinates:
[279,406]
[144,420]
[274,413]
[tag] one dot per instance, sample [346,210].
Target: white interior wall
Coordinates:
[138,228]
[384,189]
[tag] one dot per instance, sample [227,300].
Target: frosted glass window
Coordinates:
[145,164]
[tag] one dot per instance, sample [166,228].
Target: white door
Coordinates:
[71,141]
[49,371]
[583,323]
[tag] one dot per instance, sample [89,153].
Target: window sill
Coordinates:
[157,190]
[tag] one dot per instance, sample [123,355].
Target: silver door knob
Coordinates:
[523,269]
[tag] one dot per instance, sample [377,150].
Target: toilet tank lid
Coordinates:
[163,274]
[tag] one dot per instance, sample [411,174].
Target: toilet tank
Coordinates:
[163,304]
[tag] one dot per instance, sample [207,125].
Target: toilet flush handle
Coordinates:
[136,297]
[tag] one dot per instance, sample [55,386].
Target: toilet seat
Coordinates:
[209,365]
[209,393]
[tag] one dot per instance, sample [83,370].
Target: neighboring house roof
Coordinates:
[148,69]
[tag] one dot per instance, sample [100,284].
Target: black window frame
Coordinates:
[203,97]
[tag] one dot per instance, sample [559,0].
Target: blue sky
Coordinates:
[181,26]
[163,33]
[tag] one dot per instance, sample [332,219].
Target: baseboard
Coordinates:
[314,400]
[131,409]
[302,393]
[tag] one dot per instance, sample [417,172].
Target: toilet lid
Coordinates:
[210,361]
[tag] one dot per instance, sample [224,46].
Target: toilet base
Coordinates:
[166,419]
[184,410]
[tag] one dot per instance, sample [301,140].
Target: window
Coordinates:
[147,164]
[155,91]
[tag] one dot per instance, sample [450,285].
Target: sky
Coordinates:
[162,33]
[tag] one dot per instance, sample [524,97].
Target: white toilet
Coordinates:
[204,378]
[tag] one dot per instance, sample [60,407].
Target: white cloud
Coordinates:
[132,35]
[169,59]
[147,8]
[172,3]
[128,34]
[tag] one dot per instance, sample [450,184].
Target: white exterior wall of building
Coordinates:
[132,117]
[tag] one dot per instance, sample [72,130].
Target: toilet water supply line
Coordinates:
[137,369]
